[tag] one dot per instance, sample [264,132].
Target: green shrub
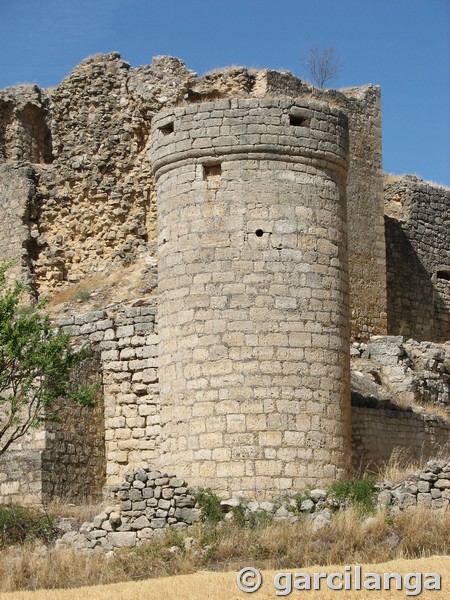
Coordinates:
[174,538]
[242,517]
[19,525]
[298,499]
[36,363]
[83,295]
[356,492]
[209,504]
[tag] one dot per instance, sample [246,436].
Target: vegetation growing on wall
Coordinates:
[36,362]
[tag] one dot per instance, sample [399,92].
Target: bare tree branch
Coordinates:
[322,65]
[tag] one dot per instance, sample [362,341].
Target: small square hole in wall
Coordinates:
[212,171]
[212,175]
[298,121]
[167,129]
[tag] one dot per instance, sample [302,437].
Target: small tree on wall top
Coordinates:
[36,362]
[322,65]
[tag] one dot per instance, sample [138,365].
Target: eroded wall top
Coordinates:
[89,148]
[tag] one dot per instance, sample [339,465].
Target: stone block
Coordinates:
[122,539]
[140,523]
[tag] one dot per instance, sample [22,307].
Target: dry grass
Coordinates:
[425,408]
[402,464]
[122,282]
[72,293]
[31,567]
[433,409]
[349,539]
[224,71]
[391,178]
[80,512]
[222,586]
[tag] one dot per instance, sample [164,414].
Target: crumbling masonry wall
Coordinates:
[125,337]
[17,192]
[21,471]
[89,451]
[25,139]
[253,294]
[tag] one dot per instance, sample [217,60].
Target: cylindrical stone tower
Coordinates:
[253,294]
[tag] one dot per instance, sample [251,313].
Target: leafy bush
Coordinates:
[19,525]
[356,492]
[242,517]
[35,365]
[209,504]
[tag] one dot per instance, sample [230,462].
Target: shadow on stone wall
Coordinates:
[24,133]
[73,462]
[380,428]
[411,297]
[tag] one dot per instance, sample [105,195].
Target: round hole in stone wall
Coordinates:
[259,233]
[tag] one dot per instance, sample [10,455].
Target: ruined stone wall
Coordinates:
[62,459]
[97,205]
[366,243]
[88,451]
[25,136]
[21,470]
[73,461]
[253,293]
[96,200]
[378,430]
[126,338]
[85,145]
[418,258]
[17,192]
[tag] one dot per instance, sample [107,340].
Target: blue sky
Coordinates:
[402,45]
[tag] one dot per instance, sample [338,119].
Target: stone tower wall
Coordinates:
[25,143]
[365,208]
[366,243]
[253,294]
[418,258]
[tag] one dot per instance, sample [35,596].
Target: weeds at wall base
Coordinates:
[359,493]
[350,538]
[20,525]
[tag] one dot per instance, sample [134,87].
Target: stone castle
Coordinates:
[262,239]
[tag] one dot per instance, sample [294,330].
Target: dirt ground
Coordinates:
[222,586]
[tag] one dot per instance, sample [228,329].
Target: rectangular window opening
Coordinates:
[167,129]
[298,121]
[443,275]
[210,171]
